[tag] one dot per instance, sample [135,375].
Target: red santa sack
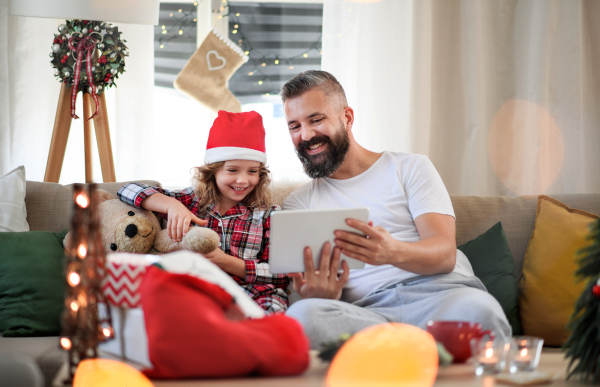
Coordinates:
[191,336]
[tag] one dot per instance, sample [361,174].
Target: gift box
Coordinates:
[121,288]
[124,274]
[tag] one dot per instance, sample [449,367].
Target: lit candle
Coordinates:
[523,357]
[489,357]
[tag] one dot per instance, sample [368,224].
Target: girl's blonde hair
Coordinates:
[205,187]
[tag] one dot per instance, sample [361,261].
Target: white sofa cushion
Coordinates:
[13,214]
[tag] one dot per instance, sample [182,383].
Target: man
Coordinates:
[413,271]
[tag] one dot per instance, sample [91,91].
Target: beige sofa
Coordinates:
[49,206]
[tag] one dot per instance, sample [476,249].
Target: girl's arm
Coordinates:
[257,270]
[172,205]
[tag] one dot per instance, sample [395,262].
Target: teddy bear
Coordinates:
[124,228]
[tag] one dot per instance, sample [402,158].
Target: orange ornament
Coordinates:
[391,354]
[108,373]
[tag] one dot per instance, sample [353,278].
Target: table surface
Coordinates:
[462,375]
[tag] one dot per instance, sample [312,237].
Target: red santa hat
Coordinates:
[236,136]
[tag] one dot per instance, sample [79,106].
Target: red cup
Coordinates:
[456,335]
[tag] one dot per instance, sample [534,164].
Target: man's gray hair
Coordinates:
[313,79]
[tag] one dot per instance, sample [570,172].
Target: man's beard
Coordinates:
[327,162]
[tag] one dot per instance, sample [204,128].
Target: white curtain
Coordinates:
[502,95]
[29,96]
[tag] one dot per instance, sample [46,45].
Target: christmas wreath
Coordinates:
[88,55]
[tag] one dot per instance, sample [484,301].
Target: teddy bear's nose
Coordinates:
[131,230]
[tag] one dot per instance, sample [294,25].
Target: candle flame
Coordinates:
[524,352]
[65,343]
[82,200]
[489,352]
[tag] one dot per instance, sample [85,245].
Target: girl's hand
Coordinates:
[179,218]
[227,263]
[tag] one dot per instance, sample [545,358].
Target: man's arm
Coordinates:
[435,253]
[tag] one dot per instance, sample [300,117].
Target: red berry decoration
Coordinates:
[62,61]
[596,291]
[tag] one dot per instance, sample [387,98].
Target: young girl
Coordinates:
[229,194]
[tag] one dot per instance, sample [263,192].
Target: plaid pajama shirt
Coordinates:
[244,234]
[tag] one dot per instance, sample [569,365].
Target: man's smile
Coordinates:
[316,148]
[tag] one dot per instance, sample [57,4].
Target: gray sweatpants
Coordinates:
[413,301]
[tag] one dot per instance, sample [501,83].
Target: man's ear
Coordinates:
[349,118]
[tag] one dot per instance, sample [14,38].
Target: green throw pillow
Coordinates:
[493,264]
[32,283]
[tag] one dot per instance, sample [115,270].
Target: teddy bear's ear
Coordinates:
[101,195]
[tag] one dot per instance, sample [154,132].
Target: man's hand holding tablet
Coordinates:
[301,243]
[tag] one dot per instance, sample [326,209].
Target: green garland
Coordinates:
[108,59]
[583,345]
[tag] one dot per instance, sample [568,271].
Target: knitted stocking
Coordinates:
[205,75]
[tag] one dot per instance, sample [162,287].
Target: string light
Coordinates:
[81,251]
[74,306]
[82,201]
[182,21]
[65,343]
[73,279]
[106,332]
[246,45]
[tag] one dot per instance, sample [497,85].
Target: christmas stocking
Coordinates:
[205,75]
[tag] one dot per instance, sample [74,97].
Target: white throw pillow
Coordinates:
[13,214]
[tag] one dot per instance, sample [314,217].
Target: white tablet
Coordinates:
[291,231]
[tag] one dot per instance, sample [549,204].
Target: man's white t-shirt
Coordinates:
[397,188]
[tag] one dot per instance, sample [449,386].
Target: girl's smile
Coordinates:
[235,180]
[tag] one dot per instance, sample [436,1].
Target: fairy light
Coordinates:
[195,20]
[234,32]
[171,15]
[180,32]
[195,4]
[106,332]
[82,200]
[291,67]
[250,73]
[305,55]
[82,251]
[65,343]
[179,10]
[164,32]
[276,61]
[74,306]
[162,46]
[237,14]
[163,27]
[263,64]
[246,52]
[235,26]
[260,82]
[73,279]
